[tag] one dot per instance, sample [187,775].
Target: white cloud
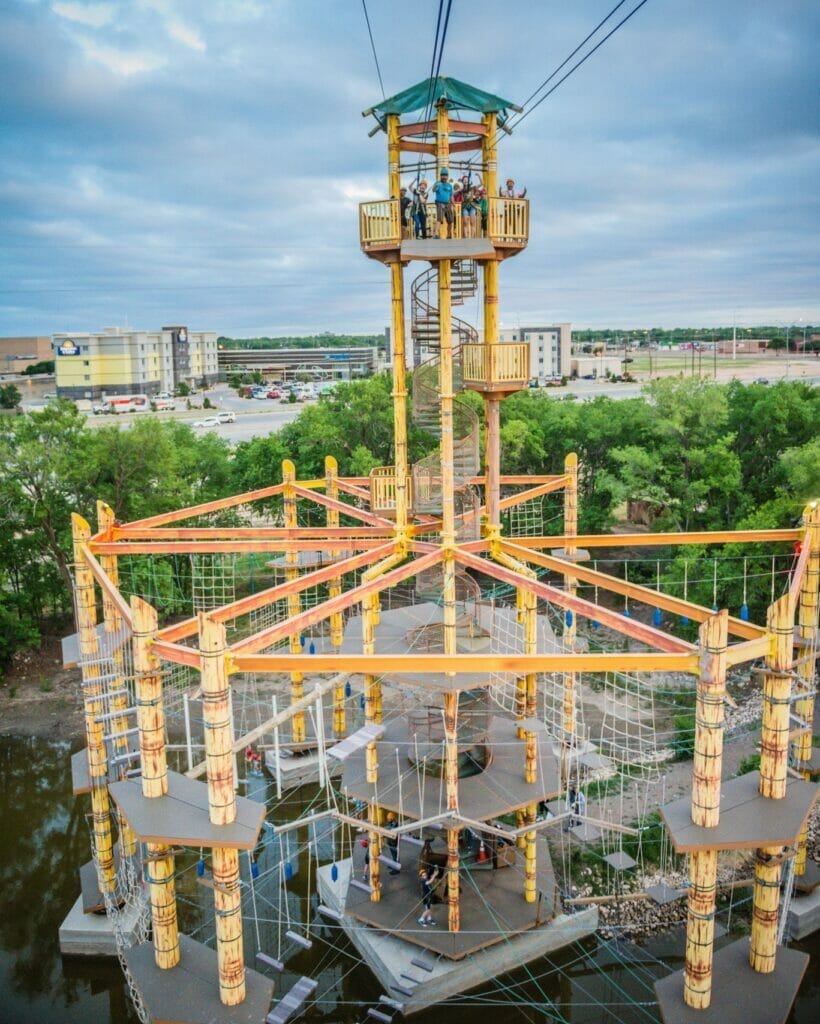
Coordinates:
[92,15]
[185,34]
[120,62]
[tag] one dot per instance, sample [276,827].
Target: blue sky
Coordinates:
[169,161]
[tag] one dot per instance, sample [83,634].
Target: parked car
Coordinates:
[261,394]
[274,393]
[761,380]
[165,394]
[208,423]
[226,416]
[49,396]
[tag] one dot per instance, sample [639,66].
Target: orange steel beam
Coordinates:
[341,506]
[531,481]
[737,627]
[308,618]
[101,576]
[737,654]
[800,570]
[189,627]
[533,492]
[408,146]
[465,145]
[429,127]
[352,489]
[629,627]
[209,506]
[238,546]
[421,664]
[638,540]
[240,533]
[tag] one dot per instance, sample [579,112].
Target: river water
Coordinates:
[44,839]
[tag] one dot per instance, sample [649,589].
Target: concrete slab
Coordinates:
[810,879]
[390,958]
[739,994]
[84,934]
[80,773]
[804,915]
[299,769]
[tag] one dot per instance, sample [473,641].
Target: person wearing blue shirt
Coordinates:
[443,195]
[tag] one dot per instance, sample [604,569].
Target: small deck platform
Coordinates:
[496,790]
[92,899]
[80,773]
[432,249]
[189,992]
[739,994]
[747,819]
[181,817]
[83,934]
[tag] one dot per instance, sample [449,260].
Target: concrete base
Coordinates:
[299,769]
[391,958]
[804,915]
[83,934]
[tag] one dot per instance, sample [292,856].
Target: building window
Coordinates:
[540,337]
[86,362]
[87,376]
[83,348]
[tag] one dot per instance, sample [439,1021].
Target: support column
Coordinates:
[774,749]
[443,151]
[119,701]
[335,590]
[93,690]
[492,458]
[222,808]
[530,881]
[297,690]
[571,587]
[399,394]
[393,156]
[451,792]
[374,850]
[151,724]
[707,768]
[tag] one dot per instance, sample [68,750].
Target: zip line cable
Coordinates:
[373,47]
[435,67]
[575,67]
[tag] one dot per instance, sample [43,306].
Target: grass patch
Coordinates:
[750,763]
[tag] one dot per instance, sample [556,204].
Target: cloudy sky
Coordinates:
[201,161]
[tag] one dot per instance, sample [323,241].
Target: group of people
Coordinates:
[465,199]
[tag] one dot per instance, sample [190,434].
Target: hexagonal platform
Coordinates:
[492,904]
[747,819]
[189,992]
[181,816]
[496,790]
[739,994]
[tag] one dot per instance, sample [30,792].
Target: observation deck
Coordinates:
[382,237]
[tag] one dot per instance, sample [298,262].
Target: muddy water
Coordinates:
[44,839]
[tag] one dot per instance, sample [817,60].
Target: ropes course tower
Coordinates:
[417,677]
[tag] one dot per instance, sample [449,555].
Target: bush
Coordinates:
[207,403]
[683,740]
[9,396]
[751,763]
[183,389]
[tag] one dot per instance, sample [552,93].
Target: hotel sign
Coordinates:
[68,348]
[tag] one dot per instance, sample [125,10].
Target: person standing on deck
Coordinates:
[404,206]
[443,195]
[508,191]
[418,208]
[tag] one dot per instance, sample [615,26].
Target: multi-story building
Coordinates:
[279,364]
[18,353]
[119,361]
[550,348]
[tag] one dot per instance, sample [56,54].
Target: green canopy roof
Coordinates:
[457,95]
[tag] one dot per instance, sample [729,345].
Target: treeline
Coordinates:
[305,341]
[677,335]
[692,454]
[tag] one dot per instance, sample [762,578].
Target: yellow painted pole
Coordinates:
[571,585]
[335,590]
[489,151]
[774,748]
[492,452]
[399,394]
[806,627]
[374,850]
[119,701]
[393,156]
[443,150]
[297,689]
[708,755]
[222,808]
[530,880]
[93,692]
[491,402]
[151,724]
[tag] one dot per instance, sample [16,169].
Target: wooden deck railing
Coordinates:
[508,221]
[379,226]
[383,490]
[489,367]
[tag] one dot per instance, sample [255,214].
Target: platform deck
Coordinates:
[492,904]
[189,992]
[499,788]
[80,773]
[747,819]
[739,994]
[181,816]
[447,249]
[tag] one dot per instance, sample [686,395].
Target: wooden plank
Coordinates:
[533,492]
[342,507]
[800,571]
[629,627]
[697,613]
[642,540]
[209,506]
[232,546]
[188,627]
[737,654]
[177,653]
[239,533]
[482,664]
[113,594]
[304,620]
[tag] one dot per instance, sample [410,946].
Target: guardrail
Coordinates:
[494,367]
[508,223]
[379,224]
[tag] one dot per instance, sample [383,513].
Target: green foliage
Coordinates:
[45,366]
[683,739]
[305,341]
[9,396]
[183,389]
[207,403]
[750,763]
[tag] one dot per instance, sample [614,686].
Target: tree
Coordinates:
[45,366]
[9,396]
[777,344]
